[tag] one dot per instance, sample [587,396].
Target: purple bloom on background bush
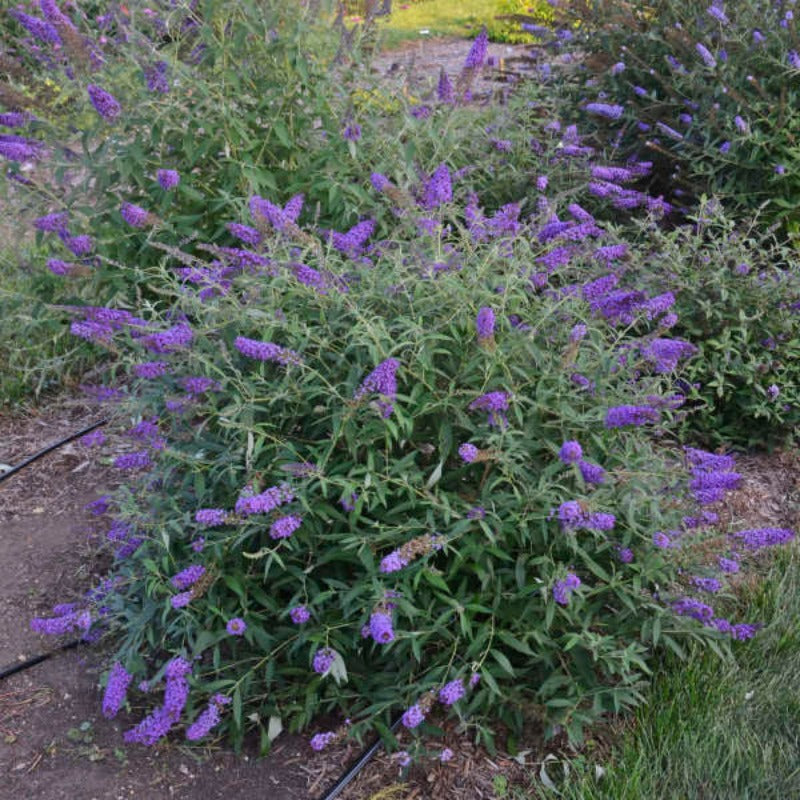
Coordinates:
[299,615]
[570,452]
[689,607]
[665,354]
[266,501]
[187,577]
[198,544]
[380,627]
[446,755]
[352,132]
[105,104]
[496,403]
[413,717]
[705,54]
[773,391]
[79,245]
[661,540]
[477,52]
[320,741]
[757,538]
[563,589]
[718,13]
[247,234]
[284,527]
[484,323]
[452,692]
[156,77]
[740,124]
[379,182]
[381,381]
[728,565]
[591,473]
[393,562]
[349,504]
[438,189]
[620,416]
[150,369]
[794,59]
[168,178]
[266,351]
[468,452]
[211,517]
[236,626]
[69,620]
[578,332]
[710,585]
[138,460]
[323,660]
[38,28]
[181,600]
[157,725]
[116,689]
[136,216]
[52,223]
[606,110]
[625,555]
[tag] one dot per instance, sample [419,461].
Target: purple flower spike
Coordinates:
[413,717]
[236,626]
[105,104]
[477,53]
[380,628]
[381,381]
[563,589]
[323,660]
[168,179]
[570,452]
[468,452]
[116,689]
[484,323]
[299,615]
[136,216]
[284,527]
[452,692]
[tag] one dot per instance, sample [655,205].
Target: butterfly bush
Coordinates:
[403,444]
[705,90]
[410,496]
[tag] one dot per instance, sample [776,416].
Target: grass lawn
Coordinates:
[716,730]
[440,18]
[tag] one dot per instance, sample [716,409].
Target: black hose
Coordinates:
[357,765]
[49,449]
[13,669]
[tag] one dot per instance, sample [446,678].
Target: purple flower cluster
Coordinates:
[438,189]
[116,689]
[320,741]
[452,692]
[496,403]
[105,104]
[266,501]
[484,323]
[207,719]
[236,626]
[266,351]
[211,517]
[68,618]
[621,416]
[158,724]
[168,179]
[665,354]
[759,538]
[712,475]
[380,627]
[188,577]
[413,717]
[570,452]
[468,452]
[563,589]
[323,660]
[299,615]
[571,516]
[381,381]
[284,527]
[477,52]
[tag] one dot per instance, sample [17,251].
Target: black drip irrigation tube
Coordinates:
[12,669]
[49,449]
[21,666]
[357,766]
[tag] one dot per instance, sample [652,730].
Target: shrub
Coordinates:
[709,91]
[444,478]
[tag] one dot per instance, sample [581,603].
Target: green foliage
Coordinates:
[728,119]
[477,600]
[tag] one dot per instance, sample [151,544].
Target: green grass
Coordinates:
[713,730]
[462,18]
